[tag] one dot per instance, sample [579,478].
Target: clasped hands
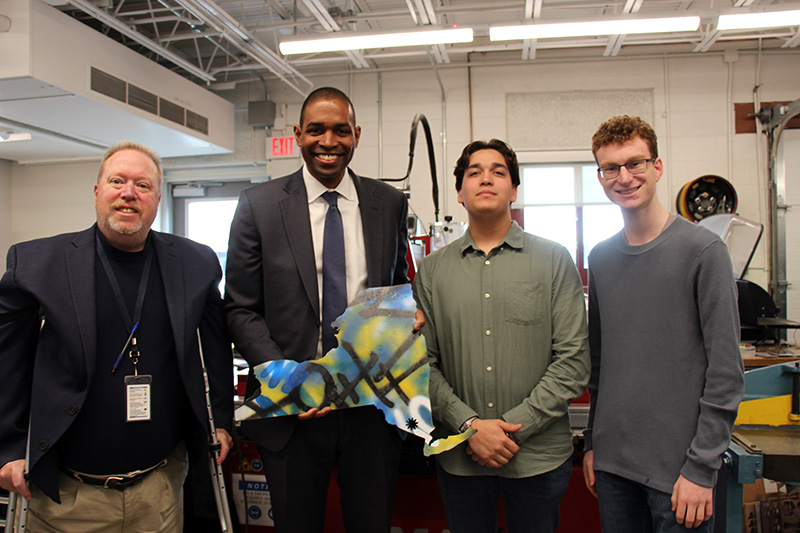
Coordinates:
[493,444]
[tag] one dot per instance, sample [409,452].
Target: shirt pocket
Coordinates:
[523,301]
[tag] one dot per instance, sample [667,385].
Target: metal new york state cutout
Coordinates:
[379,361]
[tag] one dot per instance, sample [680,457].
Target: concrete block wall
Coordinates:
[51,199]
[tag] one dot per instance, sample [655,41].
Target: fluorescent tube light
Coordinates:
[385,40]
[597,27]
[11,136]
[748,21]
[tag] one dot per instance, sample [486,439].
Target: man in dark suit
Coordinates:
[276,306]
[101,366]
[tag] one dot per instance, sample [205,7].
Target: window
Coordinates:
[565,203]
[207,219]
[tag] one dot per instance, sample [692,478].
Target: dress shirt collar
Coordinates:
[513,238]
[314,189]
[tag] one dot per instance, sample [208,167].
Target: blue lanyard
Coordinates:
[130,325]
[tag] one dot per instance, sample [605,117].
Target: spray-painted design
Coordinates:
[380,361]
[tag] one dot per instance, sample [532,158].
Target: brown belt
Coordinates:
[116,482]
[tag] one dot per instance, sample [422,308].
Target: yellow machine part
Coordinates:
[774,411]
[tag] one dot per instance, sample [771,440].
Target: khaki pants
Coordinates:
[154,505]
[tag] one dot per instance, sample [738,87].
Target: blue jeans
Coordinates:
[531,503]
[627,506]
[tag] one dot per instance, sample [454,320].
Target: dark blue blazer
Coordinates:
[47,369]
[271,294]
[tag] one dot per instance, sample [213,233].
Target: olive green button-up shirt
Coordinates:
[506,336]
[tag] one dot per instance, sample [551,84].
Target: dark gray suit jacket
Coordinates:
[46,373]
[271,294]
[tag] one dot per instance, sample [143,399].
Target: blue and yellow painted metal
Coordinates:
[380,361]
[766,439]
[772,396]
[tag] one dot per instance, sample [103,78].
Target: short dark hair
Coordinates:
[327,93]
[623,128]
[496,145]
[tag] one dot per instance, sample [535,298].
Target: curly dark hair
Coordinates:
[495,144]
[623,128]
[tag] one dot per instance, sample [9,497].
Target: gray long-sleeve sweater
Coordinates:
[667,376]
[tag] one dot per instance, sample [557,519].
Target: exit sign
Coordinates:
[282,147]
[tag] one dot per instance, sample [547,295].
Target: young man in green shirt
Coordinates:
[507,343]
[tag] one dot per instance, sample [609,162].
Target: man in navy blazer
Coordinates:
[101,366]
[273,302]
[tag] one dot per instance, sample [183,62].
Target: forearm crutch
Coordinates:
[11,509]
[17,514]
[17,510]
[217,476]
[10,503]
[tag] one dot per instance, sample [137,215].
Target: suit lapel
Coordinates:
[80,260]
[294,210]
[174,289]
[372,222]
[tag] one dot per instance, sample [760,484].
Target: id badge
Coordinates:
[137,395]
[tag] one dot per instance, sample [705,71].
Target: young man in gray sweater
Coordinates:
[667,376]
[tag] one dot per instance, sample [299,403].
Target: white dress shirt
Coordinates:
[354,251]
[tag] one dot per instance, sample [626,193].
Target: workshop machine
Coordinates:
[758,313]
[765,442]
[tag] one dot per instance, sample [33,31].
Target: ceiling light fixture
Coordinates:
[595,27]
[383,40]
[749,21]
[11,136]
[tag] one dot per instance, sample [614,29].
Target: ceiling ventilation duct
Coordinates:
[79,92]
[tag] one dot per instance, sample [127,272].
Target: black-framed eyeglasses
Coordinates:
[637,166]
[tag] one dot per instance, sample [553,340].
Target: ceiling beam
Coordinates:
[233,32]
[187,35]
[322,15]
[430,12]
[708,40]
[533,11]
[413,12]
[793,42]
[615,41]
[282,13]
[423,14]
[148,43]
